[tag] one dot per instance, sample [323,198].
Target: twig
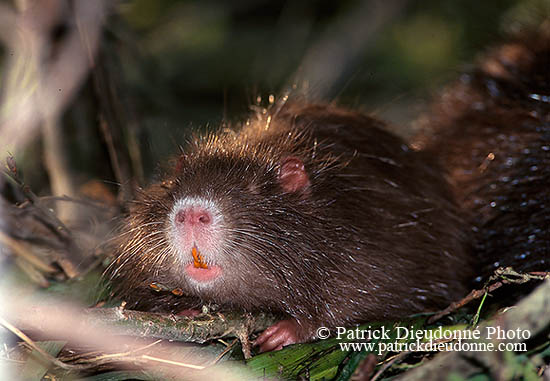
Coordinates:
[388,364]
[242,335]
[476,294]
[473,295]
[20,249]
[227,349]
[90,203]
[150,358]
[42,352]
[112,356]
[65,250]
[11,360]
[532,314]
[111,122]
[121,174]
[57,165]
[49,217]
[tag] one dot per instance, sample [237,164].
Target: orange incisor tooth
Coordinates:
[198,260]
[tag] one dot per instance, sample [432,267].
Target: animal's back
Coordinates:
[491,134]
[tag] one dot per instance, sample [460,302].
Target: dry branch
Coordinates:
[122,322]
[200,329]
[502,276]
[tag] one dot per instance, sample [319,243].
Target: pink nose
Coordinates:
[193,217]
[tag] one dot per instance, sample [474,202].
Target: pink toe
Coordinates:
[277,336]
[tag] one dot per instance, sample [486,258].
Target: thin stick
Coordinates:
[123,354]
[54,223]
[389,364]
[150,358]
[32,344]
[501,273]
[229,347]
[90,203]
[21,250]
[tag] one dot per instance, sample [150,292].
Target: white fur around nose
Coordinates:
[210,247]
[188,202]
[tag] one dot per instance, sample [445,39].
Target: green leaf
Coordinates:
[36,366]
[322,360]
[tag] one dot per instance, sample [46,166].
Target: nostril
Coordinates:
[204,218]
[193,216]
[180,217]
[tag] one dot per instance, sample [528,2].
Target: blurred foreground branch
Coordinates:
[41,79]
[105,332]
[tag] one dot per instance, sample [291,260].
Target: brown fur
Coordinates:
[491,133]
[374,237]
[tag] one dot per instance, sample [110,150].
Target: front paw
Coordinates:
[280,334]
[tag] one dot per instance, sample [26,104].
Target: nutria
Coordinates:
[313,212]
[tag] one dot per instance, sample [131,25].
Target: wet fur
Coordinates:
[491,133]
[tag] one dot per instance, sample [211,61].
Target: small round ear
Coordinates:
[293,176]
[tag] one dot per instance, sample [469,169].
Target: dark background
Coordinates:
[175,66]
